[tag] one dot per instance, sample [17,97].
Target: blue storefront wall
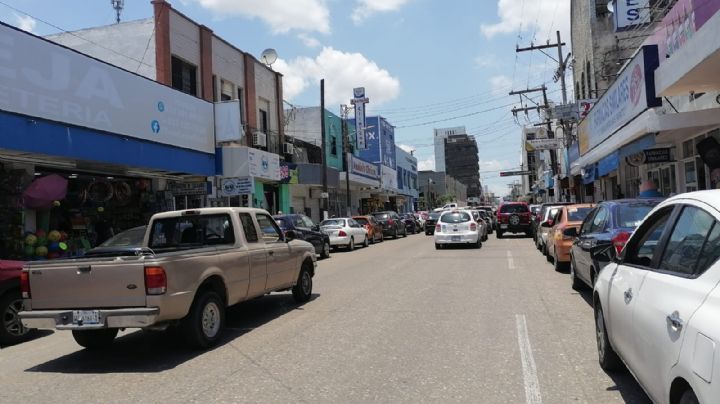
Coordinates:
[53,139]
[608,164]
[380,141]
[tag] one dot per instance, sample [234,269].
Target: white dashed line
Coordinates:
[532,385]
[511,263]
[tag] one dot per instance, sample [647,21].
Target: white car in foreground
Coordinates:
[457,227]
[345,232]
[657,305]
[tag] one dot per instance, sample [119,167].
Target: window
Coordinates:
[333,146]
[686,242]
[711,251]
[298,221]
[270,230]
[644,245]
[599,221]
[631,215]
[226,90]
[249,228]
[307,222]
[333,222]
[514,208]
[458,217]
[184,76]
[587,224]
[577,214]
[242,104]
[588,75]
[191,231]
[264,121]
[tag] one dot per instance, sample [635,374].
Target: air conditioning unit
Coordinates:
[259,139]
[289,148]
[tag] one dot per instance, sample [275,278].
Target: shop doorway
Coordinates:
[664,178]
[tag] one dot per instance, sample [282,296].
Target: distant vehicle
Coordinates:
[305,229]
[345,232]
[430,223]
[374,229]
[412,224]
[657,303]
[548,214]
[603,234]
[562,233]
[539,216]
[392,224]
[447,206]
[482,224]
[457,227]
[492,212]
[12,330]
[485,216]
[513,217]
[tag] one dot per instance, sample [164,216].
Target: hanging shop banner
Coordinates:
[544,144]
[630,13]
[289,173]
[228,125]
[363,168]
[631,94]
[359,100]
[650,156]
[42,79]
[237,186]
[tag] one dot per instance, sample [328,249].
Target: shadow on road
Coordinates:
[33,335]
[628,387]
[148,351]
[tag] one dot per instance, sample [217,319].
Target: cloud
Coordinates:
[541,17]
[366,8]
[489,60]
[427,164]
[281,15]
[494,166]
[309,41]
[342,72]
[406,147]
[26,23]
[501,85]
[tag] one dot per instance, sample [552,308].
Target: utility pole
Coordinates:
[562,62]
[344,112]
[323,148]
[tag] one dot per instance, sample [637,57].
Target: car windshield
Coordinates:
[578,214]
[129,238]
[333,222]
[631,215]
[381,216]
[361,220]
[514,208]
[455,217]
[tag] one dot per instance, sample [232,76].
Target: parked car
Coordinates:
[457,227]
[484,215]
[540,216]
[412,225]
[12,330]
[656,305]
[608,225]
[305,229]
[391,223]
[421,217]
[482,224]
[345,232]
[493,216]
[513,217]
[548,217]
[430,223]
[374,229]
[560,238]
[202,261]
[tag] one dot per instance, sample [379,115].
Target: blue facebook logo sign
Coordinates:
[155,126]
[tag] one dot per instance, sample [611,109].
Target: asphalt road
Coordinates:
[396,322]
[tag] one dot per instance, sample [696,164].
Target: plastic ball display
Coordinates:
[41,251]
[54,236]
[42,241]
[31,240]
[29,251]
[40,233]
[63,246]
[54,246]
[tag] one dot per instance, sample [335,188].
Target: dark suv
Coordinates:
[393,225]
[305,229]
[514,217]
[430,223]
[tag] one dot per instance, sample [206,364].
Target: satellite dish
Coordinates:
[269,56]
[611,7]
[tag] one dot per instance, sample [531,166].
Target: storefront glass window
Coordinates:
[690,174]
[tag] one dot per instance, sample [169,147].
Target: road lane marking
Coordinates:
[532,385]
[511,263]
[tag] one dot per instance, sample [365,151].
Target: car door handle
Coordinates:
[628,296]
[675,321]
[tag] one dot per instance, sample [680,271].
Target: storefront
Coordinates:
[263,169]
[306,189]
[407,181]
[364,187]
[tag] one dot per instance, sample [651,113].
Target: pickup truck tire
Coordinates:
[203,326]
[12,330]
[325,253]
[95,339]
[302,291]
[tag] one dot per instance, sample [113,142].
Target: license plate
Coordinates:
[503,226]
[455,238]
[86,317]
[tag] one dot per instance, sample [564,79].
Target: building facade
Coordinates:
[407,179]
[437,188]
[462,162]
[439,137]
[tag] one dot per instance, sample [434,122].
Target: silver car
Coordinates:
[345,232]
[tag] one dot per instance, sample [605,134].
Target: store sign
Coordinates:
[632,93]
[289,173]
[389,178]
[514,173]
[189,188]
[566,112]
[584,107]
[359,100]
[681,23]
[41,79]
[228,125]
[629,13]
[363,168]
[649,156]
[545,144]
[263,165]
[237,186]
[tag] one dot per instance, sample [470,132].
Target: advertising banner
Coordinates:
[389,178]
[42,79]
[359,100]
[289,173]
[263,165]
[629,13]
[545,144]
[631,94]
[680,24]
[363,168]
[237,186]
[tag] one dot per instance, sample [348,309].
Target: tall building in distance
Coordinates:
[456,154]
[439,141]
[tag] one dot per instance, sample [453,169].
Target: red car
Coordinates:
[514,217]
[11,329]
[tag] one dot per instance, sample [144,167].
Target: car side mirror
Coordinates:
[290,235]
[315,227]
[570,232]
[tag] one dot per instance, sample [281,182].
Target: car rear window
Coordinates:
[514,208]
[191,231]
[631,215]
[333,222]
[578,214]
[381,216]
[455,217]
[361,220]
[434,216]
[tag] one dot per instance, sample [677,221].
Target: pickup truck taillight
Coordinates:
[155,281]
[25,284]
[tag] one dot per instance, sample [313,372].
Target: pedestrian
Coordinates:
[648,189]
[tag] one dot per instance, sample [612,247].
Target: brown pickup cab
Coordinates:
[192,265]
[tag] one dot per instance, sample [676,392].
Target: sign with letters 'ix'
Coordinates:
[41,79]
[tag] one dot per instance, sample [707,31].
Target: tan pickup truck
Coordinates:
[191,266]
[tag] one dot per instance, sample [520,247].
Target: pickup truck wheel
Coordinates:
[607,356]
[95,339]
[203,325]
[325,253]
[12,330]
[302,291]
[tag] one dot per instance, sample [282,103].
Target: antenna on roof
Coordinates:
[118,6]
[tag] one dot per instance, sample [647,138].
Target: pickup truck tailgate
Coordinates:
[78,285]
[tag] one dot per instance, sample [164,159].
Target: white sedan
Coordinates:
[457,227]
[657,304]
[345,232]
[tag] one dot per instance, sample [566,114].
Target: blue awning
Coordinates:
[645,142]
[589,174]
[608,164]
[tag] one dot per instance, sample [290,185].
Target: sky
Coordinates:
[425,64]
